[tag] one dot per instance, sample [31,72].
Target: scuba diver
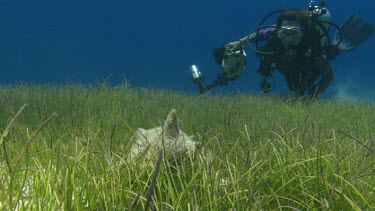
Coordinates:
[298,46]
[296,52]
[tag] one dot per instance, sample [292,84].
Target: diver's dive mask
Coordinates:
[293,32]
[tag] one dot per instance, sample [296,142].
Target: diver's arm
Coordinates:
[237,45]
[327,77]
[251,38]
[263,35]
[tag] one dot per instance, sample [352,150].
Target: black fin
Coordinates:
[362,34]
[354,31]
[350,25]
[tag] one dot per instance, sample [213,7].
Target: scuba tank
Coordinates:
[321,17]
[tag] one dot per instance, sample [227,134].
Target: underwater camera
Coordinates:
[233,63]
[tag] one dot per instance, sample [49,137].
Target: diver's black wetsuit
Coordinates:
[300,70]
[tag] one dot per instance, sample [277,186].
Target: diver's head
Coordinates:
[297,15]
[290,33]
[291,25]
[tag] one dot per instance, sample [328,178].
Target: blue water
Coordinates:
[154,43]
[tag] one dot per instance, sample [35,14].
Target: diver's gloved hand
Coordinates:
[332,52]
[220,52]
[234,46]
[265,86]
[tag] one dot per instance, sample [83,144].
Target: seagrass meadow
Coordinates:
[66,147]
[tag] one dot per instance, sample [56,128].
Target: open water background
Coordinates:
[154,43]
